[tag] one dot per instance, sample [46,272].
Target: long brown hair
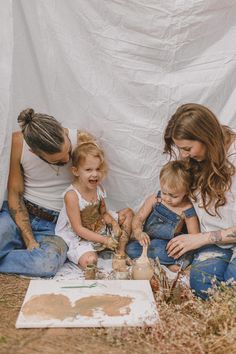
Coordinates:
[213,176]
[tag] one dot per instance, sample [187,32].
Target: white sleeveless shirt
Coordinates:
[63,226]
[44,184]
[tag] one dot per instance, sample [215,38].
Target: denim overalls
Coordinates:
[160,226]
[162,222]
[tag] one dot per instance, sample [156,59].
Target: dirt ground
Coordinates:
[191,326]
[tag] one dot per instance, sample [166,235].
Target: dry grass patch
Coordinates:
[192,326]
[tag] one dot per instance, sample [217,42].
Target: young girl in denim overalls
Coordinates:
[164,215]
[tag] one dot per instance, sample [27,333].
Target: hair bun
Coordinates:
[25,117]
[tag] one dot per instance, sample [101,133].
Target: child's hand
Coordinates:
[110,243]
[144,239]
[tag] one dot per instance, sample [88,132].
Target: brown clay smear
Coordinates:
[56,306]
[48,306]
[91,217]
[111,305]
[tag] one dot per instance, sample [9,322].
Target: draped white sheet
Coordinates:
[119,69]
[6,45]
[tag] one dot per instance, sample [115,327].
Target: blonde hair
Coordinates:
[86,148]
[41,131]
[213,176]
[176,176]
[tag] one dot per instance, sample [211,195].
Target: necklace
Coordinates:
[56,169]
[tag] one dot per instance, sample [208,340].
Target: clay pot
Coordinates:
[142,270]
[90,272]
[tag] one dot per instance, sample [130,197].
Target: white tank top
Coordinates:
[44,184]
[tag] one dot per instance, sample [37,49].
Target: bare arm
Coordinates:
[184,243]
[222,237]
[73,213]
[192,225]
[16,203]
[140,217]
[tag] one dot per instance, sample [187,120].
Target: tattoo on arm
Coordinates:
[232,235]
[215,237]
[23,218]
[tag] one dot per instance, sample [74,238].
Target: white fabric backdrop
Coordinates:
[6,45]
[119,69]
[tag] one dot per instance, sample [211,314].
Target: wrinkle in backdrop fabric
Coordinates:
[119,69]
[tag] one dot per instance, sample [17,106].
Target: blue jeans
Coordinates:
[157,248]
[211,262]
[16,259]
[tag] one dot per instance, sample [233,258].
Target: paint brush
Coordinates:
[93,285]
[79,286]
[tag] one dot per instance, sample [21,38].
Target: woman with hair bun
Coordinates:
[195,134]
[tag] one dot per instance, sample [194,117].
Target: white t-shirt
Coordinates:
[227,212]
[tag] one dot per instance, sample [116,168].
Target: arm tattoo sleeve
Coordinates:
[215,237]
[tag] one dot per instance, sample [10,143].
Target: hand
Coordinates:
[179,245]
[122,254]
[110,243]
[143,239]
[32,245]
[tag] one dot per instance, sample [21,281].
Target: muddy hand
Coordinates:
[111,243]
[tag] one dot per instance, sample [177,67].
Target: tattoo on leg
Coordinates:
[215,236]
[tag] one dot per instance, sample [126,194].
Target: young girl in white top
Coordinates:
[83,222]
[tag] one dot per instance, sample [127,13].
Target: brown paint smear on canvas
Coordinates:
[48,306]
[55,306]
[111,305]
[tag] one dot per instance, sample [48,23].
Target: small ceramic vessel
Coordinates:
[142,268]
[90,272]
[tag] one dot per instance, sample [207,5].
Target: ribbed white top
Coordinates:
[44,183]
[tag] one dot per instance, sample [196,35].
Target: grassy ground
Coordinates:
[191,326]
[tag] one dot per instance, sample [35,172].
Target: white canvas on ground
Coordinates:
[88,303]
